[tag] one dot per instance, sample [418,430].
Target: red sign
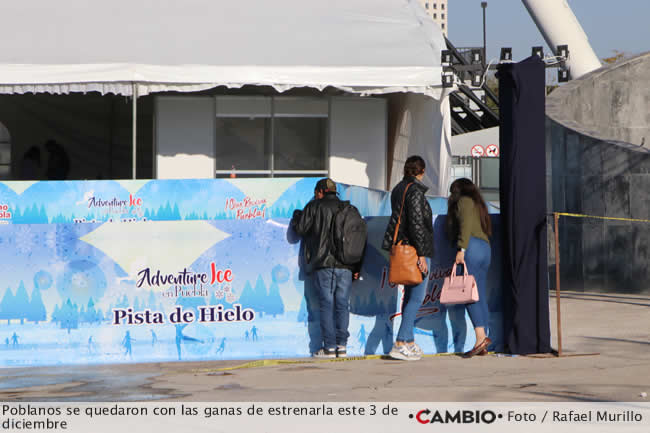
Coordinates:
[477,151]
[492,150]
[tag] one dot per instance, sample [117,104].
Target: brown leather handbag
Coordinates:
[403,265]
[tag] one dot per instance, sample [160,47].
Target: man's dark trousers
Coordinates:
[333,285]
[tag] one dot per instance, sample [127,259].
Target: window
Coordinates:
[442,16]
[461,166]
[5,153]
[435,16]
[442,6]
[243,144]
[435,6]
[271,136]
[443,26]
[489,173]
[426,5]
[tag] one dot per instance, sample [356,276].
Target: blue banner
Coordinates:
[163,270]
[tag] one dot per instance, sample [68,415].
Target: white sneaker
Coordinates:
[341,352]
[416,350]
[403,353]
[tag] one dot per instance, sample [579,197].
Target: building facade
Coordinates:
[437,10]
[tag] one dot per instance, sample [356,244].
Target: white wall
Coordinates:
[424,129]
[185,137]
[358,141]
[461,145]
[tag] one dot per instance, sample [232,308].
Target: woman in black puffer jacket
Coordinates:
[416,229]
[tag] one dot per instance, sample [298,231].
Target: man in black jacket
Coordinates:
[331,277]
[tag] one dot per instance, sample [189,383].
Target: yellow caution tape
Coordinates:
[577,215]
[271,362]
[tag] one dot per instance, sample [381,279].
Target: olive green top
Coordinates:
[469,223]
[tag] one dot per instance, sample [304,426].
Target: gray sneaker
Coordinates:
[324,353]
[403,353]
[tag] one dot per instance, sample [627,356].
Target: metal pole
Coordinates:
[557,283]
[134,121]
[484,6]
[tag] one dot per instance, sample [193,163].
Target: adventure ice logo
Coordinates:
[113,206]
[114,203]
[187,283]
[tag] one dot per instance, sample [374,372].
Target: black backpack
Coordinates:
[348,234]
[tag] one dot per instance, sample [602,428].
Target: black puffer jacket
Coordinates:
[314,224]
[416,226]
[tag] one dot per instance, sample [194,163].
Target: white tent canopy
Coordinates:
[363,46]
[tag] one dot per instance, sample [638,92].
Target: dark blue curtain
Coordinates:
[522,174]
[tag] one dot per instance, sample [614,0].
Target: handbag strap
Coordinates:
[453,272]
[399,218]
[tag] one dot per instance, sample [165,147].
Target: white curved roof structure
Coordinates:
[364,46]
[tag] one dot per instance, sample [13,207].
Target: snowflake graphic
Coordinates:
[24,239]
[50,239]
[79,281]
[64,241]
[264,236]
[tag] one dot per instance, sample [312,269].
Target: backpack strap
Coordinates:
[399,219]
[339,207]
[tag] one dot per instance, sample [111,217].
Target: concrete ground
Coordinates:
[615,326]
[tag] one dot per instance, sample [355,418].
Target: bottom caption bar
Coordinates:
[325,417]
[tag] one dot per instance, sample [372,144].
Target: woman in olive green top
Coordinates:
[469,228]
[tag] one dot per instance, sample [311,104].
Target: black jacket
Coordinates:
[416,226]
[314,224]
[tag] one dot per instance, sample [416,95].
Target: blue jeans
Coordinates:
[413,297]
[477,259]
[333,286]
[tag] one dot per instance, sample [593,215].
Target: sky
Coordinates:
[609,24]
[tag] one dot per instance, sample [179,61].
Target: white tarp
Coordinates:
[420,122]
[364,46]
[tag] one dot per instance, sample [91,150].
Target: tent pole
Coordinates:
[556,218]
[135,127]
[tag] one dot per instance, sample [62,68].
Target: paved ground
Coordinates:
[618,327]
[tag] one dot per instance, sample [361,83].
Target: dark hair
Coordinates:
[326,185]
[465,188]
[414,166]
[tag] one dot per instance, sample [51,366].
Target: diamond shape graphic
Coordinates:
[133,185]
[168,246]
[19,186]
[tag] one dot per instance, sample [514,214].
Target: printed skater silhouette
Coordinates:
[254,333]
[246,335]
[362,337]
[154,338]
[126,343]
[382,333]
[180,337]
[222,346]
[14,339]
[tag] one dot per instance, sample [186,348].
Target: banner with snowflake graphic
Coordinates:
[163,270]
